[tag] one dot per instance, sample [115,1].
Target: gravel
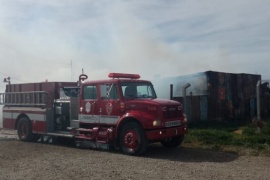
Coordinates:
[21,160]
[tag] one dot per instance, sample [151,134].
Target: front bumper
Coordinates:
[161,134]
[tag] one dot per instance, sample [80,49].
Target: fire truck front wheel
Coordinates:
[132,139]
[24,130]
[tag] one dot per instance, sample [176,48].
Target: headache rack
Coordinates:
[31,98]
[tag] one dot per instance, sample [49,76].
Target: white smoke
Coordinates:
[40,39]
[53,40]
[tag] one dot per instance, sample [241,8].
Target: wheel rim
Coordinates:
[23,130]
[131,139]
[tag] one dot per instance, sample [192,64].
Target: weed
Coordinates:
[214,137]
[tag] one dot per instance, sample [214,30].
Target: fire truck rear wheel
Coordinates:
[173,142]
[132,139]
[24,130]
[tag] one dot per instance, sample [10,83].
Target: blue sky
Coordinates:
[38,38]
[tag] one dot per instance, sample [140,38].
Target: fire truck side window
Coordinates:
[145,91]
[109,91]
[89,92]
[138,90]
[114,92]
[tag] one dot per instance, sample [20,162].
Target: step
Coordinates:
[79,129]
[74,123]
[61,135]
[71,128]
[84,137]
[84,130]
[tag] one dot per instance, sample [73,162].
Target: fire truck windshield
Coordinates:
[133,90]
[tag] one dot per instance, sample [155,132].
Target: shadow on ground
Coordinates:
[182,154]
[156,151]
[188,154]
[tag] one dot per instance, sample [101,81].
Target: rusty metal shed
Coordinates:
[213,95]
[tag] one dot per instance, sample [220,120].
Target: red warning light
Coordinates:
[123,75]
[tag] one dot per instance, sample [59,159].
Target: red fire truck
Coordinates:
[121,112]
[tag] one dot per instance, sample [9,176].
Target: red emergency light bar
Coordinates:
[123,75]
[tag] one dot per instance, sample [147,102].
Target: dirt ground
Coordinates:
[20,160]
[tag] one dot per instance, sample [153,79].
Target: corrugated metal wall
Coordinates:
[231,96]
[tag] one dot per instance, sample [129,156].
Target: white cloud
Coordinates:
[38,39]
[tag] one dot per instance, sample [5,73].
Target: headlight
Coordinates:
[156,123]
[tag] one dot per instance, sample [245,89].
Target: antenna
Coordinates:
[71,70]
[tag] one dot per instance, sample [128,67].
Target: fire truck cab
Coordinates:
[121,112]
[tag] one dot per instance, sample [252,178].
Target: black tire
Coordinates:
[173,142]
[24,130]
[132,139]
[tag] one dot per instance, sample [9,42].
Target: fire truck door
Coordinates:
[88,106]
[109,105]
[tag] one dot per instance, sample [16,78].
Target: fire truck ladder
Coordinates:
[30,98]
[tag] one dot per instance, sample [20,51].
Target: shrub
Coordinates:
[266,129]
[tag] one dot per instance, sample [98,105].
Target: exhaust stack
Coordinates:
[184,93]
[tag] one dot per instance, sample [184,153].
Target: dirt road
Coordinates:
[20,160]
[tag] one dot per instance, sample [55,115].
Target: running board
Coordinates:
[61,135]
[79,129]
